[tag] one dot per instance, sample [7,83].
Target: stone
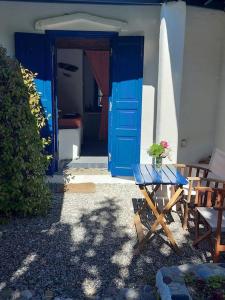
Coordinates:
[15,295]
[129,294]
[48,295]
[26,294]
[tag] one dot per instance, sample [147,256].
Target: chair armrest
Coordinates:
[198,167]
[193,178]
[203,189]
[179,165]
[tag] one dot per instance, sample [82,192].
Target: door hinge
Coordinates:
[110,106]
[110,157]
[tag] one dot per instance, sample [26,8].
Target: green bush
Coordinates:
[23,161]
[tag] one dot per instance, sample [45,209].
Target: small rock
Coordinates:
[15,295]
[26,294]
[129,294]
[49,295]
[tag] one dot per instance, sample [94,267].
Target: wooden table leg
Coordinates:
[139,228]
[137,219]
[160,216]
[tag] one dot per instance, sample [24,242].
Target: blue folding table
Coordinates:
[149,175]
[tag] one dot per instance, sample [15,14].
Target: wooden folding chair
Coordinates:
[197,175]
[193,174]
[210,212]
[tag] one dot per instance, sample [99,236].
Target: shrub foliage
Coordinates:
[23,161]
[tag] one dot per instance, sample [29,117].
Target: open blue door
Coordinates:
[125,104]
[33,51]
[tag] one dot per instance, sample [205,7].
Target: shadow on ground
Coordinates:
[84,248]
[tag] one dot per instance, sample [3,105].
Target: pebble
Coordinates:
[94,237]
[49,295]
[15,295]
[129,294]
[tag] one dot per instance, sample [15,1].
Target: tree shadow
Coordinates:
[85,247]
[74,257]
[158,252]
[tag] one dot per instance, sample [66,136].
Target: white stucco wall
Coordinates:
[201,82]
[220,113]
[142,20]
[171,51]
[201,85]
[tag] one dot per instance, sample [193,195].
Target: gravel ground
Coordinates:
[84,247]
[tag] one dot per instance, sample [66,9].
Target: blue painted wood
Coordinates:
[33,51]
[146,175]
[167,175]
[163,176]
[172,178]
[107,2]
[53,34]
[138,175]
[126,98]
[155,176]
[215,4]
[180,178]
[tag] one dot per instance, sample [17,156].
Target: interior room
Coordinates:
[82,94]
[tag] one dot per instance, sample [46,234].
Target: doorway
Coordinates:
[36,53]
[82,89]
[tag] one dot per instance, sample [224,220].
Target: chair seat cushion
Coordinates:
[210,215]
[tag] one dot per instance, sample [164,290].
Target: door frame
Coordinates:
[53,35]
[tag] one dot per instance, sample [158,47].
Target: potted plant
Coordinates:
[158,152]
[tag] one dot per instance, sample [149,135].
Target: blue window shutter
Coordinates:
[125,106]
[33,51]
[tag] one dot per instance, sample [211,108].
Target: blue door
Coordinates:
[34,52]
[125,104]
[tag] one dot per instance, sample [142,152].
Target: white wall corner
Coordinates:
[81,21]
[170,72]
[220,110]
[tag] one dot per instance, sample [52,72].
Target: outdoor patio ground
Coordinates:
[84,247]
